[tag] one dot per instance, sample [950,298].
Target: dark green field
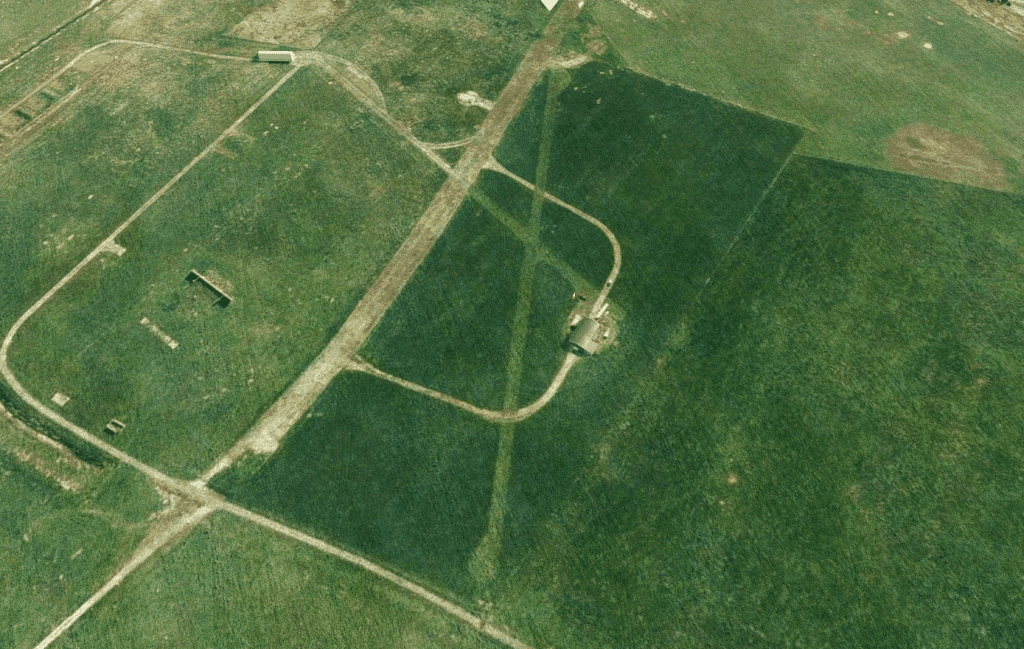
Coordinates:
[293,218]
[853,368]
[234,585]
[58,546]
[450,328]
[118,141]
[841,69]
[393,474]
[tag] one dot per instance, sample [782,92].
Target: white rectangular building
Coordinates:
[274,56]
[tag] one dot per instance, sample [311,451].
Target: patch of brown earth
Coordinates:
[929,151]
[290,22]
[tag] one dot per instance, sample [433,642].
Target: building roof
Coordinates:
[584,337]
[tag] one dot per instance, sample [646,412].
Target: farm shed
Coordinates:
[275,56]
[584,338]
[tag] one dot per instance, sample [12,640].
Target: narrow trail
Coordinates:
[45,39]
[144,552]
[519,414]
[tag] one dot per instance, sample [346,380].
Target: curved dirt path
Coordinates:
[505,416]
[335,357]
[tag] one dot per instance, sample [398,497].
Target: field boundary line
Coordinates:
[746,226]
[476,622]
[147,550]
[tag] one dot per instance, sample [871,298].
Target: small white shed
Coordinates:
[550,4]
[275,56]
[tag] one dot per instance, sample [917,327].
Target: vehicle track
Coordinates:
[275,423]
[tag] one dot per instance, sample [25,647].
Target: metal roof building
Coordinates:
[274,56]
[584,338]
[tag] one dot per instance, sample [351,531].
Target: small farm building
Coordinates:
[584,338]
[274,56]
[550,4]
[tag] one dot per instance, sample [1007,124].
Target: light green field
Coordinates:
[134,123]
[294,218]
[59,544]
[839,69]
[22,23]
[234,585]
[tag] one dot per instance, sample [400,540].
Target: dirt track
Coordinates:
[265,436]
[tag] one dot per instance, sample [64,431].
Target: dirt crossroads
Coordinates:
[275,423]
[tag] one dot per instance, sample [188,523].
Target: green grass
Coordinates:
[854,364]
[186,23]
[294,218]
[673,174]
[136,123]
[23,25]
[423,53]
[43,527]
[231,584]
[450,327]
[581,244]
[552,451]
[839,69]
[392,474]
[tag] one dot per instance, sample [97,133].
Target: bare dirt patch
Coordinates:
[290,22]
[930,151]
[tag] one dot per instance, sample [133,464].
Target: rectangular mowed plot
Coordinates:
[233,281]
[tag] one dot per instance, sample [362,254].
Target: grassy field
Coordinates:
[450,327]
[21,24]
[118,141]
[548,451]
[185,23]
[59,544]
[231,584]
[293,218]
[825,452]
[422,54]
[673,174]
[845,71]
[393,474]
